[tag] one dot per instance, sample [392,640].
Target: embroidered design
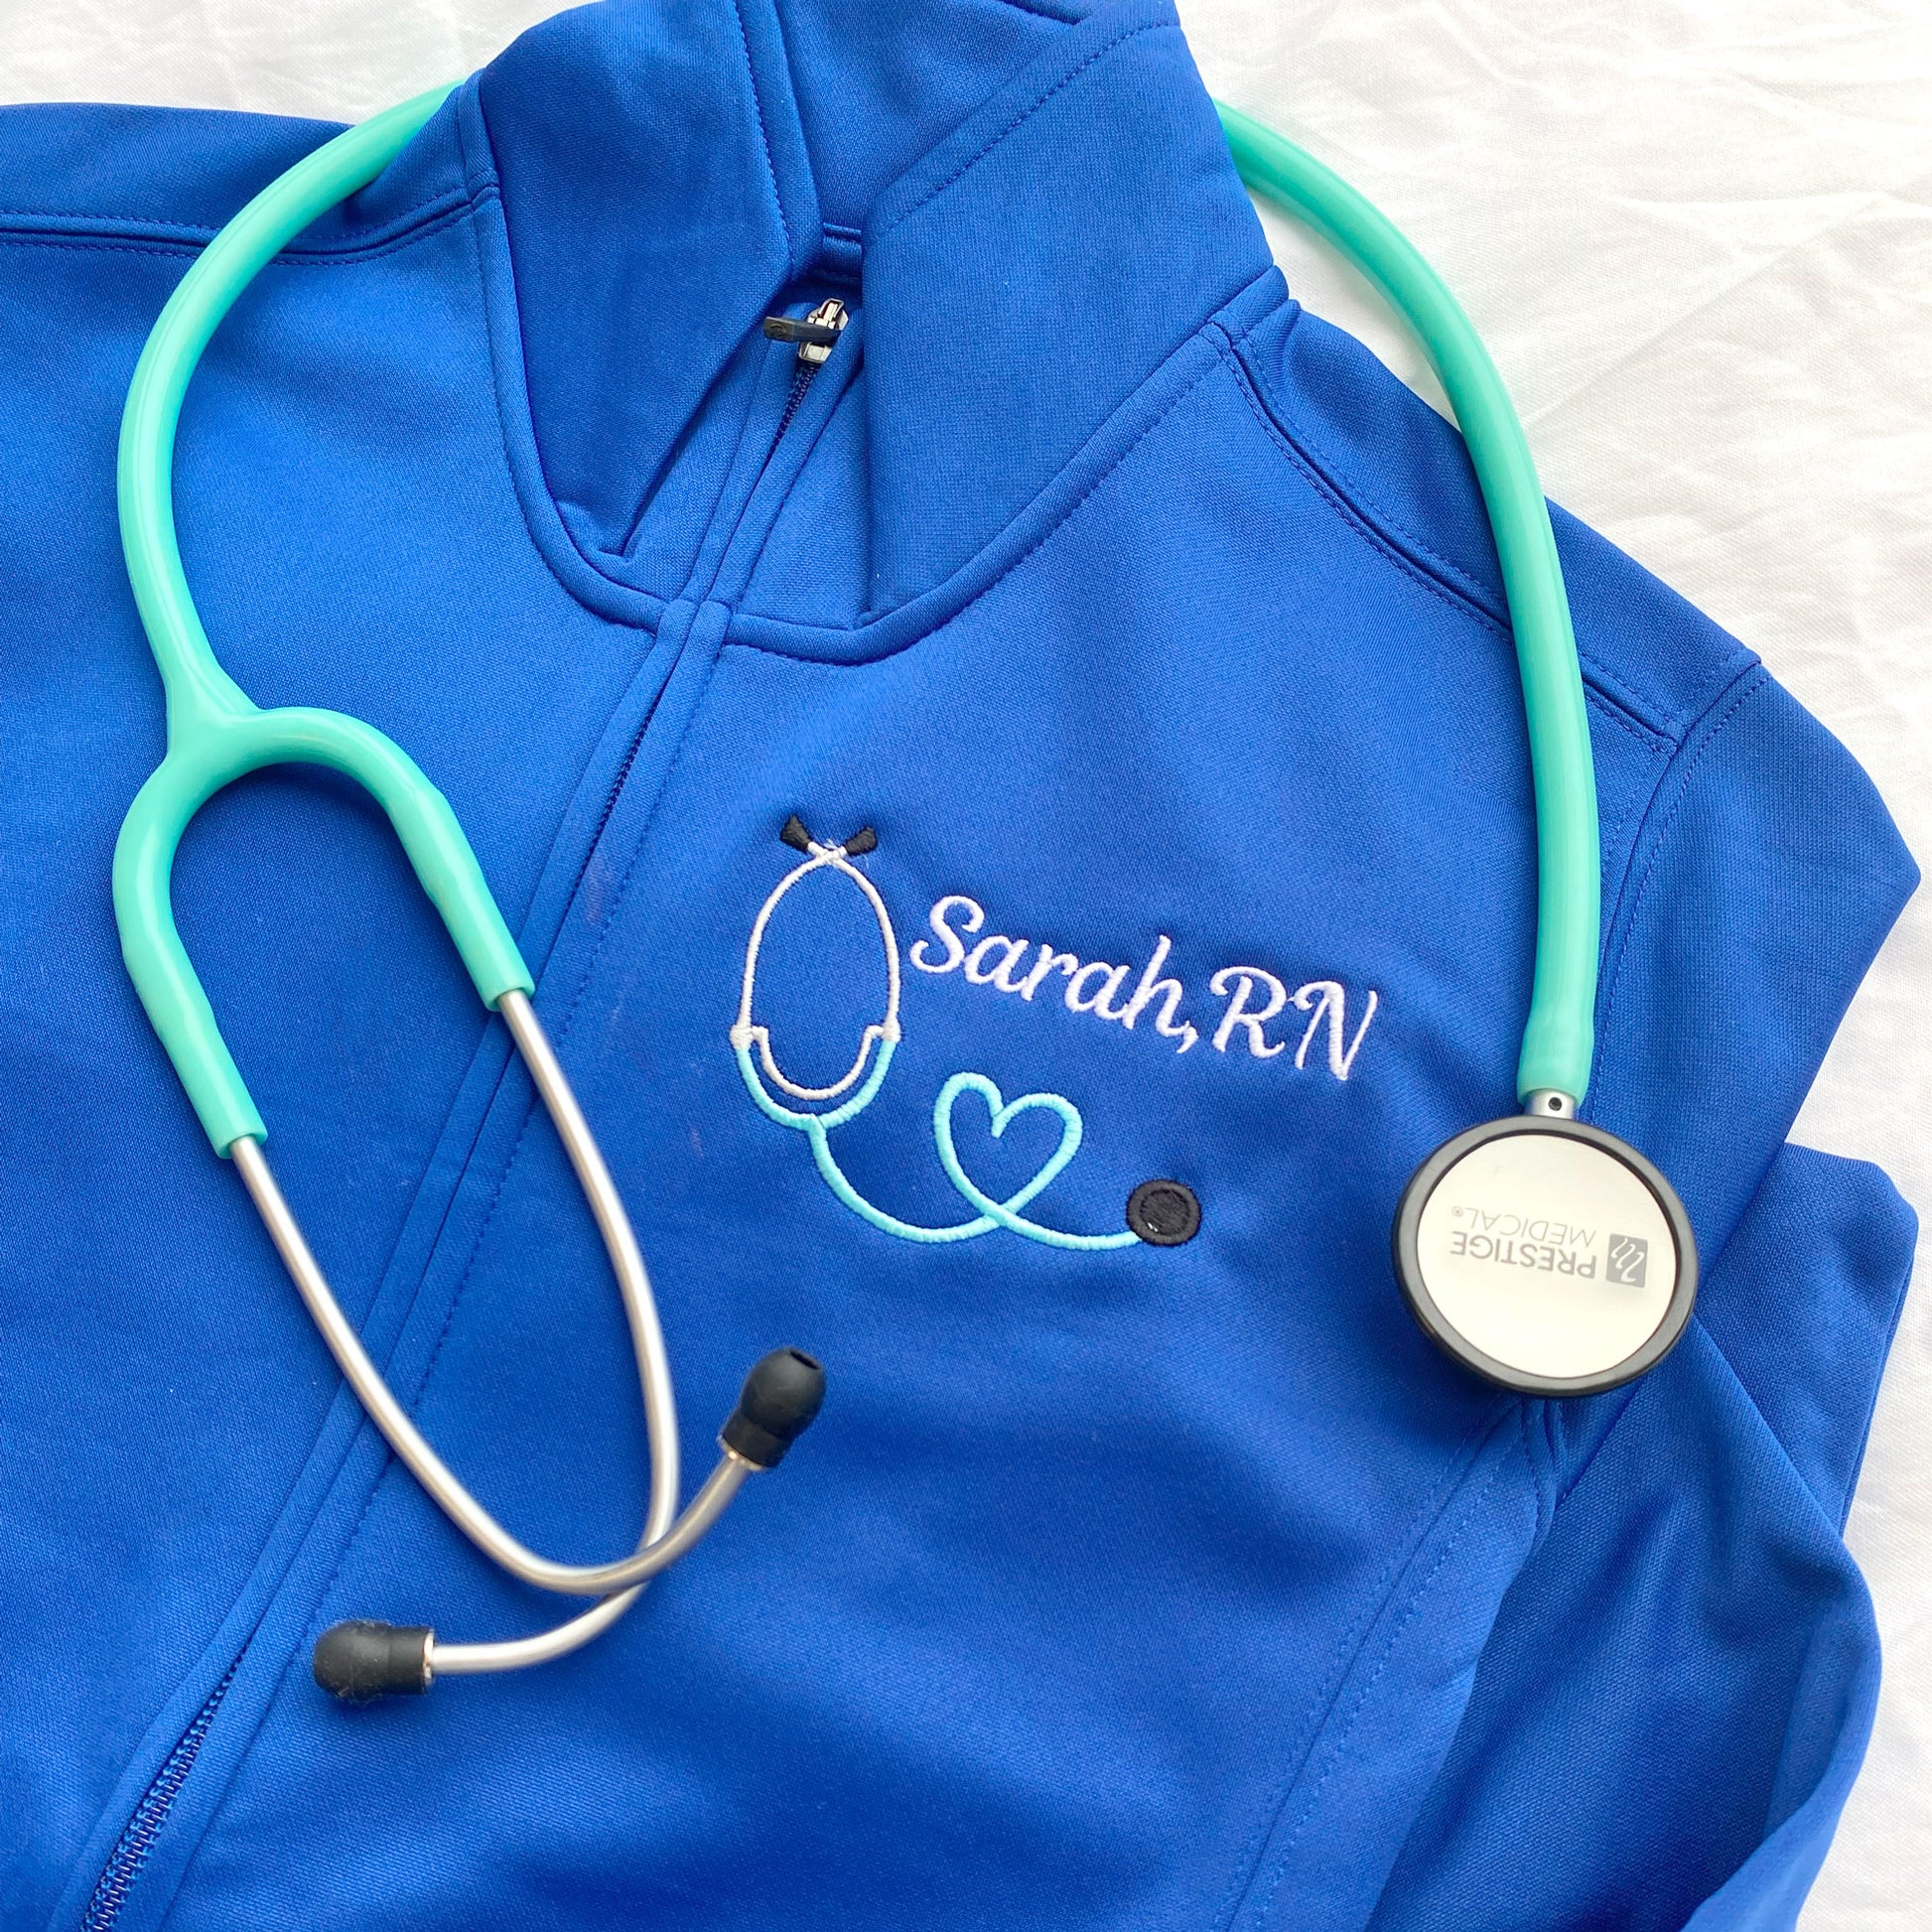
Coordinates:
[877,1045]
[1254,996]
[1165,1212]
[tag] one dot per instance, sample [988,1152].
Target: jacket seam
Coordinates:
[1604,704]
[109,232]
[1012,126]
[1341,1752]
[181,250]
[113,221]
[1435,1506]
[594,562]
[1347,1647]
[1046,536]
[1752,680]
[1421,560]
[594,559]
[487,192]
[563,1027]
[765,136]
[1060,14]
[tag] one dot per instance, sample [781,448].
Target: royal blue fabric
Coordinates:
[1157,1586]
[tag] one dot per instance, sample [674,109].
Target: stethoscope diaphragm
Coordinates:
[1546,1255]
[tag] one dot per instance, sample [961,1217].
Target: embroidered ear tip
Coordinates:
[861,842]
[783,1394]
[793,834]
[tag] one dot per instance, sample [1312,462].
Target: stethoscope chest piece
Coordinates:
[1546,1255]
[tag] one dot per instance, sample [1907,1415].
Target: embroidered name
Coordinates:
[1252,996]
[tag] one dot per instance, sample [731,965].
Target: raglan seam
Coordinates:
[1606,704]
[172,250]
[765,137]
[1375,508]
[1338,499]
[128,224]
[1339,1754]
[1401,530]
[428,219]
[1435,1504]
[1754,679]
[180,250]
[1392,544]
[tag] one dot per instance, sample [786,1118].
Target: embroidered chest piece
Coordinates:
[1164,1213]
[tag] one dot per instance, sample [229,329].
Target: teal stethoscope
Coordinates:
[1553,1315]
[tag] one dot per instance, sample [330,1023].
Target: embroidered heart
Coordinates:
[1003,1113]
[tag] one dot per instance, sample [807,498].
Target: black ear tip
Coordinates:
[358,1661]
[861,842]
[793,834]
[781,1395]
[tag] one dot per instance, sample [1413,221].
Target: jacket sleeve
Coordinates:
[1678,1690]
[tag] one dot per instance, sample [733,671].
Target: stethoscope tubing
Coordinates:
[667,1536]
[1559,1037]
[217,734]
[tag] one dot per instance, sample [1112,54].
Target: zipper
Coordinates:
[815,335]
[136,1841]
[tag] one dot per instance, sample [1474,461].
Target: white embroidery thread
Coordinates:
[1254,996]
[1234,984]
[1326,997]
[989,1214]
[747,1032]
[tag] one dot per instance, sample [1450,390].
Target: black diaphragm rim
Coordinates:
[1404,1248]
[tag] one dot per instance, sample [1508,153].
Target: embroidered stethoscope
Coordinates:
[1542,1253]
[1164,1213]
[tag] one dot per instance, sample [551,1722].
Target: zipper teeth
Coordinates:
[802,380]
[137,1839]
[132,1849]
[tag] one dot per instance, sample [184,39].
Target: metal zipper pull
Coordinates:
[814,336]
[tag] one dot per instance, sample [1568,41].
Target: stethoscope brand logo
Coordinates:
[1628,1260]
[1550,1245]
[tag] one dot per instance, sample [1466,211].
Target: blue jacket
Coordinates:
[1156,631]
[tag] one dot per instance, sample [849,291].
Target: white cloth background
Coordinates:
[1697,236]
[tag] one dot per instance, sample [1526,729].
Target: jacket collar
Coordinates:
[1033,208]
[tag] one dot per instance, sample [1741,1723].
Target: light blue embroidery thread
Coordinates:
[747,1035]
